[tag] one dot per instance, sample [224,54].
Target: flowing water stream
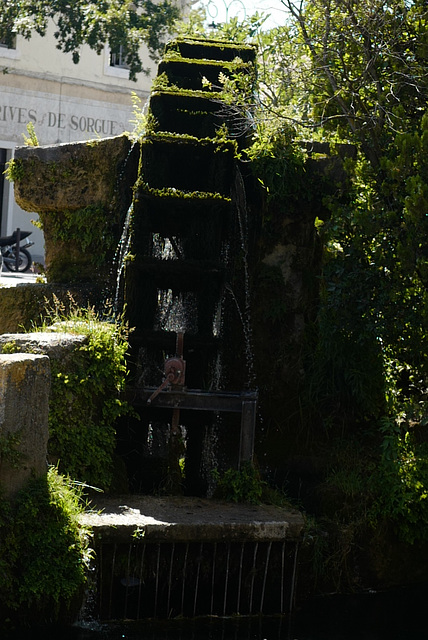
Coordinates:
[399,615]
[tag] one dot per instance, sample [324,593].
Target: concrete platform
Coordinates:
[11,279]
[182,519]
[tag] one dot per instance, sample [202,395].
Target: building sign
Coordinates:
[58,119]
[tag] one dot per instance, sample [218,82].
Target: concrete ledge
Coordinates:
[57,345]
[183,519]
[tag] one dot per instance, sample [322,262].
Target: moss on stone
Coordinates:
[177,194]
[69,176]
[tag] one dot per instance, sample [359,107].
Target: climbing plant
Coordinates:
[88,231]
[278,163]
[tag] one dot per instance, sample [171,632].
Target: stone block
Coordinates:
[56,345]
[71,176]
[24,406]
[82,192]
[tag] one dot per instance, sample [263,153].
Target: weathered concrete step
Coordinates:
[24,403]
[124,519]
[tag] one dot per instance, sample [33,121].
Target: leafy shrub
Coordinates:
[44,550]
[278,164]
[85,395]
[243,485]
[401,483]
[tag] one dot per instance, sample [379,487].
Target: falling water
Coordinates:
[177,313]
[198,571]
[240,579]
[282,580]
[170,578]
[209,457]
[122,248]
[241,208]
[157,576]
[164,248]
[213,578]
[119,259]
[111,581]
[184,576]
[122,170]
[141,582]
[127,582]
[253,575]
[188,579]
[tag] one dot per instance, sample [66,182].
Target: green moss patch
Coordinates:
[185,73]
[70,176]
[86,398]
[187,112]
[211,49]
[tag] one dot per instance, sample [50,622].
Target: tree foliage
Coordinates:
[355,71]
[113,22]
[360,68]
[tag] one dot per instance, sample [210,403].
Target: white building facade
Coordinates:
[64,101]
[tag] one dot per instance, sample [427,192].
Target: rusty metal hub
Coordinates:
[174,395]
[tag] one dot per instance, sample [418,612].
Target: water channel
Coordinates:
[397,615]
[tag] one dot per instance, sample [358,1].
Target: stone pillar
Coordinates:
[24,405]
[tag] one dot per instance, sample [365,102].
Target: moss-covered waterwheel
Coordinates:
[184,214]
